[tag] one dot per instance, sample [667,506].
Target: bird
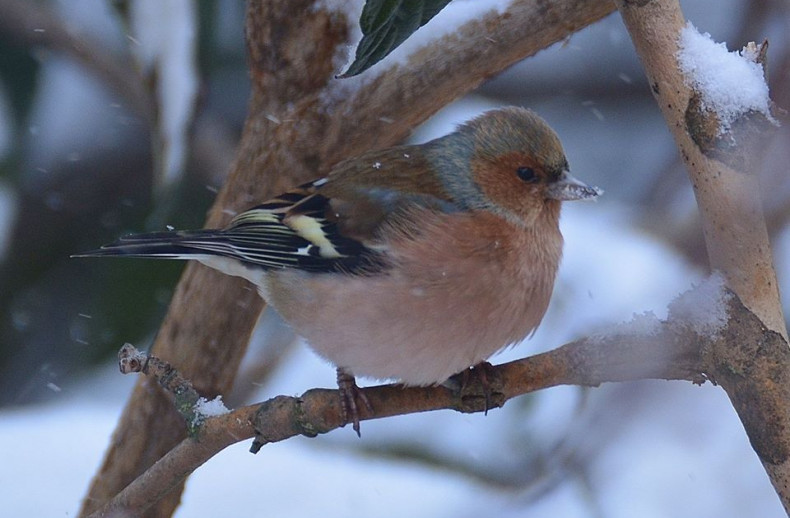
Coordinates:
[411,263]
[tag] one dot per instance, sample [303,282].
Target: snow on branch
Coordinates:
[730,84]
[703,308]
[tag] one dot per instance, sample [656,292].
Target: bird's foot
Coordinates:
[350,395]
[479,383]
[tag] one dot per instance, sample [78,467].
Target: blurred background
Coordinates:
[123,116]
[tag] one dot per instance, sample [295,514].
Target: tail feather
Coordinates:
[263,246]
[161,245]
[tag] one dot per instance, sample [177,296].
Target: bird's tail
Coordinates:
[160,245]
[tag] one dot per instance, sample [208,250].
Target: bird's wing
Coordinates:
[318,228]
[293,231]
[302,228]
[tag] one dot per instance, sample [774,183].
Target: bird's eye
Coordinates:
[527,174]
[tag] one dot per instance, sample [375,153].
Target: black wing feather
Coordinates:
[290,231]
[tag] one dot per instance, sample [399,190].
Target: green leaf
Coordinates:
[386,24]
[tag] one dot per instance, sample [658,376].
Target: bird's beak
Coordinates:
[568,188]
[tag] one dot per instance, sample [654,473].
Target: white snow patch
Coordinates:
[729,83]
[342,88]
[640,324]
[703,307]
[212,408]
[165,33]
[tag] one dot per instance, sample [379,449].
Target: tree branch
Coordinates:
[736,237]
[673,351]
[726,188]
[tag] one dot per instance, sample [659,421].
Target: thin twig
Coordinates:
[184,394]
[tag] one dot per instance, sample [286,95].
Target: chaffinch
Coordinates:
[411,263]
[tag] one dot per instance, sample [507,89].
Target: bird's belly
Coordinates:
[419,333]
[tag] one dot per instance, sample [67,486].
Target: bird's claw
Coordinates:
[480,381]
[350,395]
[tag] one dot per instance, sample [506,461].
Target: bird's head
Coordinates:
[517,163]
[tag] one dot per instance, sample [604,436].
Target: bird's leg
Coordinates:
[349,395]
